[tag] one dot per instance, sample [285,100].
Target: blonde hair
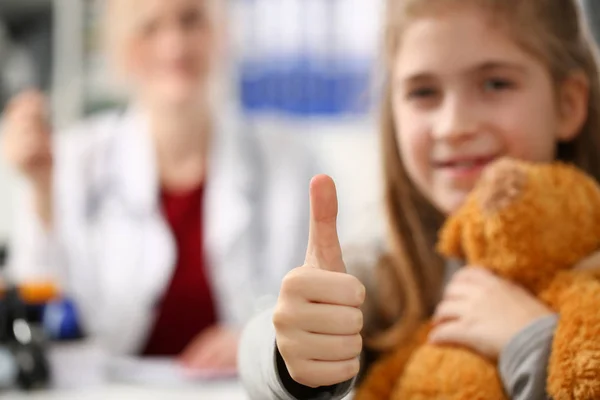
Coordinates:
[552,31]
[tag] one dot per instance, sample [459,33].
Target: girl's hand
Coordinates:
[215,349]
[484,312]
[318,318]
[27,147]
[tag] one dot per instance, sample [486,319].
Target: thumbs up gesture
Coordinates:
[317,319]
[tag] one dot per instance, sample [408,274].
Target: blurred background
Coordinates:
[302,67]
[307,69]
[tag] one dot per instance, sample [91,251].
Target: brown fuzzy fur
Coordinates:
[529,223]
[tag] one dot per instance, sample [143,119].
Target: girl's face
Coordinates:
[170,51]
[464,94]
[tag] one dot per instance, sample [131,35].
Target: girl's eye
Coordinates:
[192,19]
[496,84]
[150,28]
[422,93]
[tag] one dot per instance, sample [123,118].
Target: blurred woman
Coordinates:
[167,226]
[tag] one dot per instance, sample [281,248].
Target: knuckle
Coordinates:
[354,344]
[362,296]
[350,370]
[292,350]
[295,280]
[485,288]
[468,324]
[355,320]
[356,290]
[353,281]
[360,320]
[278,320]
[300,372]
[289,283]
[295,373]
[461,276]
[283,316]
[497,284]
[361,291]
[285,348]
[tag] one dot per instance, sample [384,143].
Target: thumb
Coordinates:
[324,249]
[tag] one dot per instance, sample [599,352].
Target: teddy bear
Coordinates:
[530,223]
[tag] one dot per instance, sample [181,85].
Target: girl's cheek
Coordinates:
[414,156]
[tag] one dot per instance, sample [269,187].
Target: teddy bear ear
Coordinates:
[450,238]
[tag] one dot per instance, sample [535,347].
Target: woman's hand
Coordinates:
[27,147]
[214,348]
[484,312]
[26,138]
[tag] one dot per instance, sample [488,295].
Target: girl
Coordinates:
[467,82]
[164,223]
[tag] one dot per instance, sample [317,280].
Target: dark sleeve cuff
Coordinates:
[301,392]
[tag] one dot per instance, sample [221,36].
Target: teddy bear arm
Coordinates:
[574,367]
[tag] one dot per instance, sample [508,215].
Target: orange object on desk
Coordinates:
[35,292]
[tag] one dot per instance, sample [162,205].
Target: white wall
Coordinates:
[352,158]
[348,151]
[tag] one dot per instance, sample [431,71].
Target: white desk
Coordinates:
[216,391]
[80,374]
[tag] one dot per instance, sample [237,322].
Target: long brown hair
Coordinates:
[552,30]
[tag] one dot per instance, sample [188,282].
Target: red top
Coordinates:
[187,307]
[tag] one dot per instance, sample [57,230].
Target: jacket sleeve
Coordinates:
[263,372]
[523,363]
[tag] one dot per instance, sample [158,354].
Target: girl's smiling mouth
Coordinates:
[463,167]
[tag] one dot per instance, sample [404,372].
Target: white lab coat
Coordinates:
[112,250]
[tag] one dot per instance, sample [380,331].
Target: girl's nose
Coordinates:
[456,120]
